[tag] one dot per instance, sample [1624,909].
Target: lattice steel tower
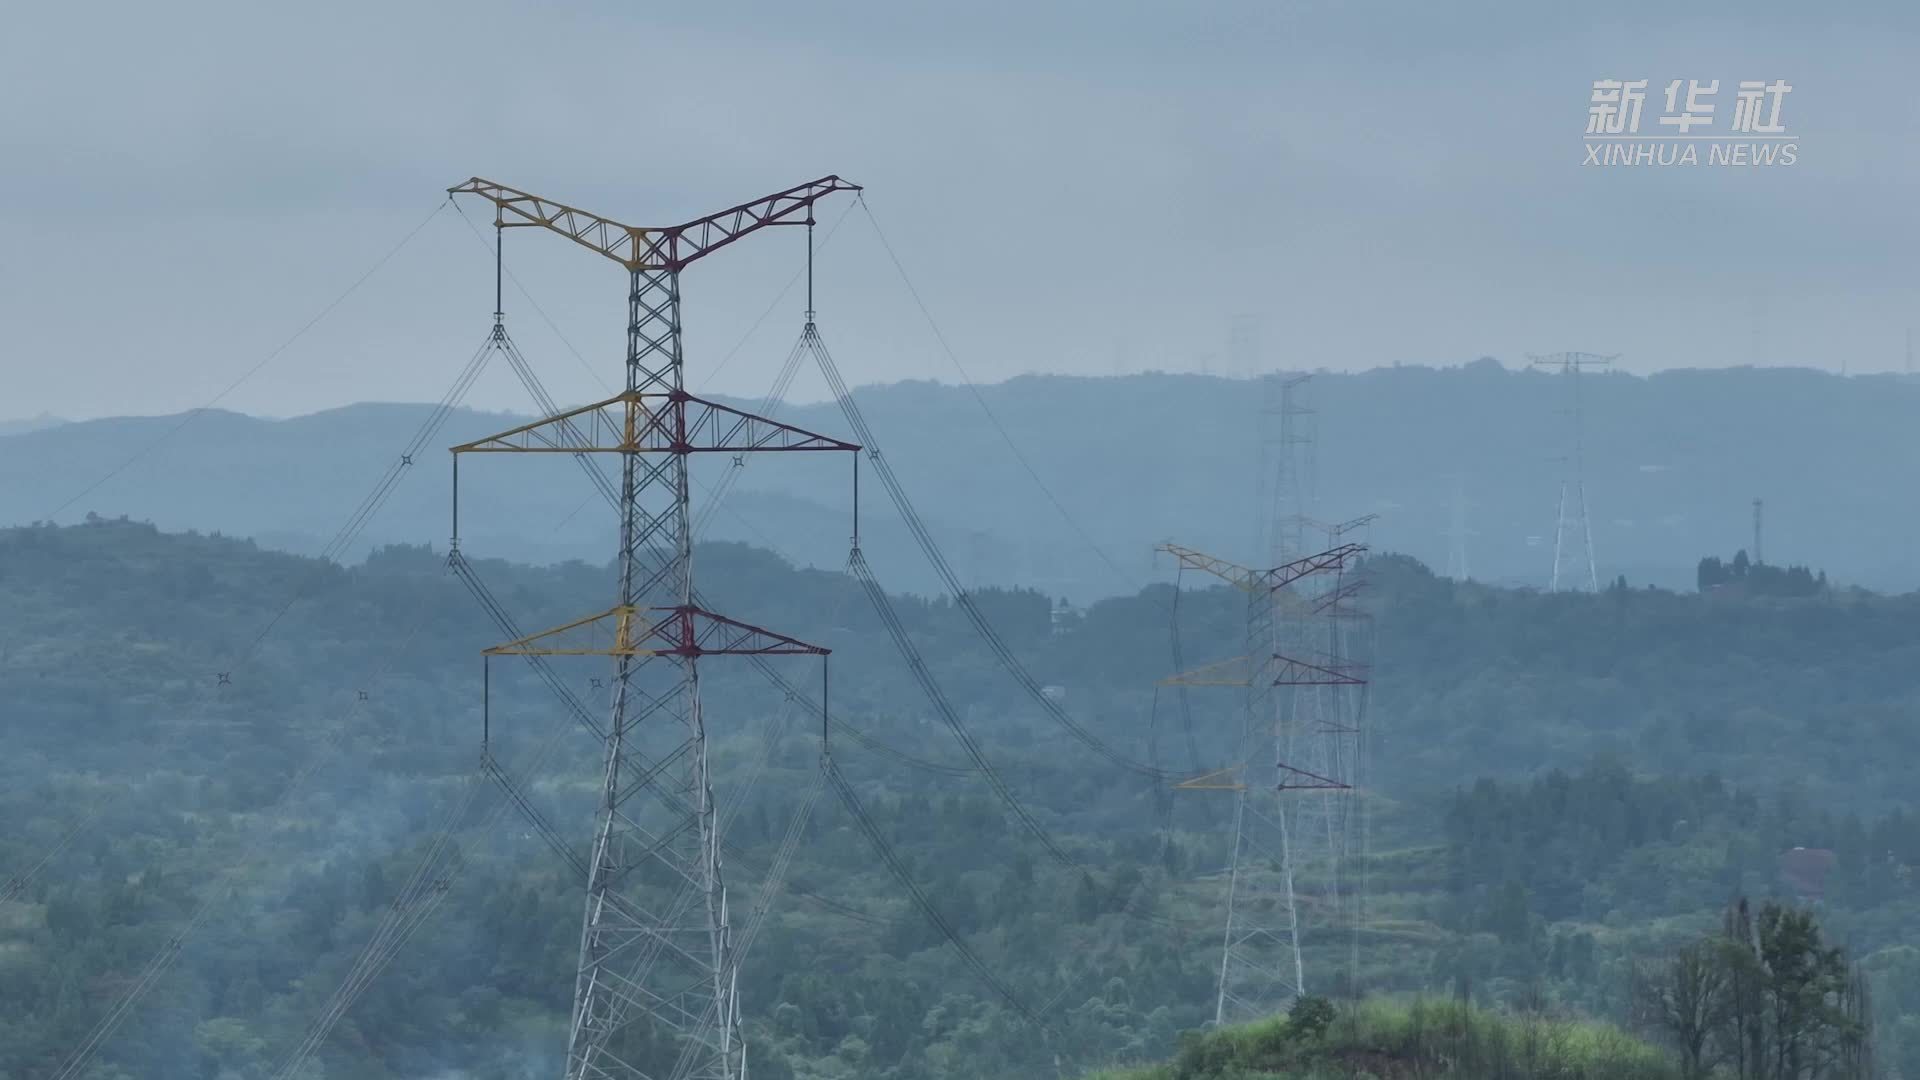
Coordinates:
[1321,708]
[1261,968]
[1297,738]
[655,987]
[1457,531]
[1573,563]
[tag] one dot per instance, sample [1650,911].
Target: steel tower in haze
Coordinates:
[1299,744]
[1573,563]
[1457,532]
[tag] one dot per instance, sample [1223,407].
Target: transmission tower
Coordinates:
[1573,562]
[1243,346]
[1325,715]
[1758,556]
[1330,717]
[1292,832]
[1457,532]
[1296,470]
[1261,967]
[1320,716]
[655,985]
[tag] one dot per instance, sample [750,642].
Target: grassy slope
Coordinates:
[1429,1040]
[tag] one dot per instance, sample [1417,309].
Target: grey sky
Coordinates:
[1071,186]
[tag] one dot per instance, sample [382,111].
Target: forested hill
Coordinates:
[1815,695]
[1489,867]
[1428,1039]
[1674,460]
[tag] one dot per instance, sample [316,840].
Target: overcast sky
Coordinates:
[1073,188]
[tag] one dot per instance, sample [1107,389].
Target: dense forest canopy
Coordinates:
[1535,830]
[1758,578]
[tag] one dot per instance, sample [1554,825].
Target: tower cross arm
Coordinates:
[1279,577]
[638,248]
[1235,672]
[1334,558]
[1570,360]
[1233,574]
[637,422]
[514,208]
[675,247]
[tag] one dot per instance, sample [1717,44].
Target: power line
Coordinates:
[362,514]
[716,497]
[920,899]
[163,959]
[980,399]
[355,523]
[189,417]
[963,599]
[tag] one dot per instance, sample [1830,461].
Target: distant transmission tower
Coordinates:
[1457,532]
[1262,941]
[1573,562]
[1243,346]
[1758,556]
[1295,468]
[1300,746]
[1329,716]
[1319,706]
[656,986]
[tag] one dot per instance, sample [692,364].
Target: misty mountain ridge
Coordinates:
[31,423]
[1673,462]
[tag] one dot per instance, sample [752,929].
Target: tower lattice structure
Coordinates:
[1457,531]
[1322,713]
[1292,825]
[655,986]
[1574,567]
